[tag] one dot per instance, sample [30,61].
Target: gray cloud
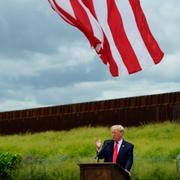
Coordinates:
[44,61]
[163,18]
[31,26]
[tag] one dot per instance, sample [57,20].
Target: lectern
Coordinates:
[102,171]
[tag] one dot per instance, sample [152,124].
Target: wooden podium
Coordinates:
[102,171]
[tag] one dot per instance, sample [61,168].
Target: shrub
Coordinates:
[8,162]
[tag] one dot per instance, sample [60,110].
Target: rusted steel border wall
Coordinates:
[132,111]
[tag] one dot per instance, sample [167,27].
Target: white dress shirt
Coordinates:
[119,144]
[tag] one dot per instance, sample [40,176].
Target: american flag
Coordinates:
[116,29]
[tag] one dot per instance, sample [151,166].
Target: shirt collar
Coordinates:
[119,142]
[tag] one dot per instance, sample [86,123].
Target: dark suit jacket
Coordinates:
[125,155]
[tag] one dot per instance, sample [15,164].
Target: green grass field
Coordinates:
[54,155]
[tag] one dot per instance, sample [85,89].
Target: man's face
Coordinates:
[117,135]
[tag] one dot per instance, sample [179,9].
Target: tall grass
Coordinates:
[53,155]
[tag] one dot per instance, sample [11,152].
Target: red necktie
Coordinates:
[115,152]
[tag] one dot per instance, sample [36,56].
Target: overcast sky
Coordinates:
[44,61]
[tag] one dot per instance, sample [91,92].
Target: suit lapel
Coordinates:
[122,148]
[111,150]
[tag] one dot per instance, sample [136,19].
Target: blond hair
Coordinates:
[117,127]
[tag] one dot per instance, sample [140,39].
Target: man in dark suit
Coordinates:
[116,150]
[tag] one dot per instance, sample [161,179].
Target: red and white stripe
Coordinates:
[117,29]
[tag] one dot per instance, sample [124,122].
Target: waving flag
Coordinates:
[116,29]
